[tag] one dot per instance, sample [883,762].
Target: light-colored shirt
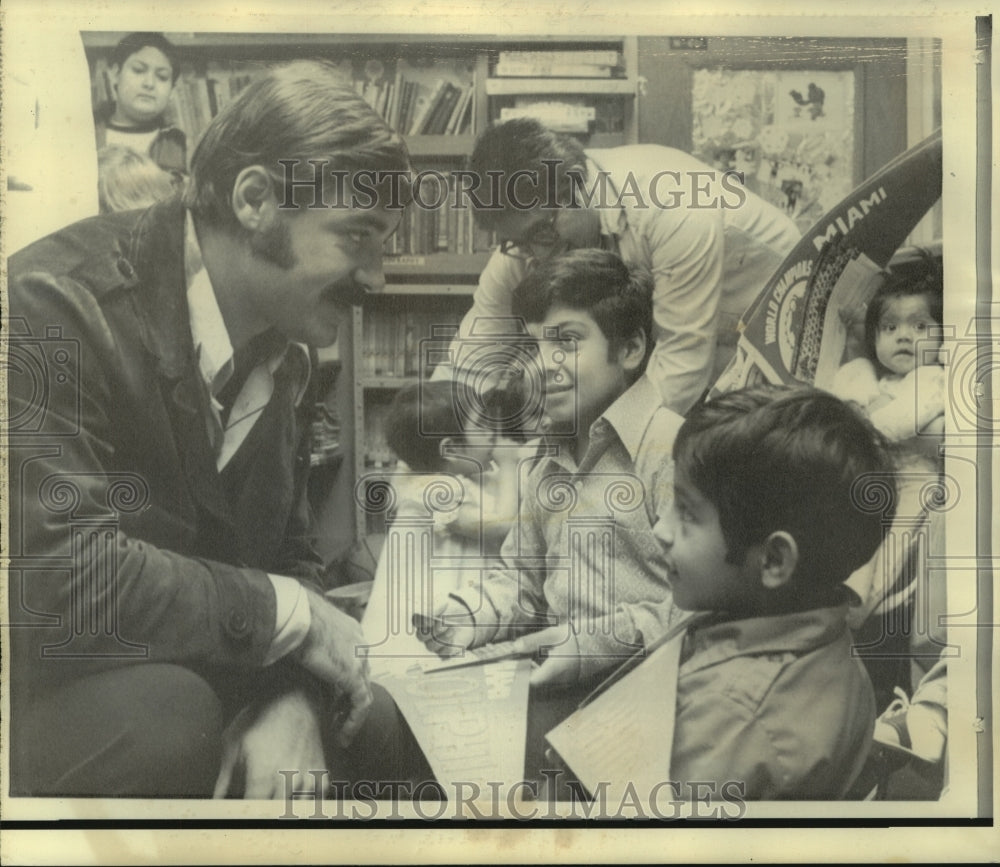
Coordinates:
[137,140]
[583,551]
[899,406]
[215,363]
[708,263]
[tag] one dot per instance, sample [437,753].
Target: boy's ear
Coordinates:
[633,351]
[254,201]
[779,559]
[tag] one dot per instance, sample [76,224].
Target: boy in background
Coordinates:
[766,523]
[581,559]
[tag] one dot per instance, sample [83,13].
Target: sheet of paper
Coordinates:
[624,736]
[471,722]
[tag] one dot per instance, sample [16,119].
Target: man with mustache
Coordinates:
[170,636]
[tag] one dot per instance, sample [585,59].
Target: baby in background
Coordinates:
[446,428]
[900,384]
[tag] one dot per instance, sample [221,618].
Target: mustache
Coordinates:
[348,292]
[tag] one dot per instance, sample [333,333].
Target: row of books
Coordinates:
[438,107]
[584,63]
[432,223]
[418,108]
[391,340]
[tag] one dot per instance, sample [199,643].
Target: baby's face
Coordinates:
[905,321]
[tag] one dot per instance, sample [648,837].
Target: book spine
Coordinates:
[420,120]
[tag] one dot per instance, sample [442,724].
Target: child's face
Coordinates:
[700,577]
[581,381]
[903,322]
[143,85]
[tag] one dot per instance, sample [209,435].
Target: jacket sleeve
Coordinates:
[74,500]
[510,601]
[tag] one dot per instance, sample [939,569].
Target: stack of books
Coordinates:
[582,63]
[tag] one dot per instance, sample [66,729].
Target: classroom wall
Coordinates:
[881,84]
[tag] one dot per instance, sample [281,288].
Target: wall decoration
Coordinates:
[791,133]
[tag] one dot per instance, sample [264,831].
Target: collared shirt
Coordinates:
[215,362]
[708,262]
[583,551]
[777,704]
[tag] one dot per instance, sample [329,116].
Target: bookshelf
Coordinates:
[440,91]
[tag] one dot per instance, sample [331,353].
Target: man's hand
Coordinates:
[332,652]
[283,734]
[450,631]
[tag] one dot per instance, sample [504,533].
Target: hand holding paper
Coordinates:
[451,629]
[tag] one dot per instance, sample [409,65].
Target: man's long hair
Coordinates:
[302,111]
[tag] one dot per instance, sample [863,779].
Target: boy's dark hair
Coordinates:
[793,459]
[134,42]
[424,414]
[927,281]
[420,416]
[301,111]
[619,298]
[520,145]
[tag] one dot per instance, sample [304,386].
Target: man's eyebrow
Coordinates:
[372,221]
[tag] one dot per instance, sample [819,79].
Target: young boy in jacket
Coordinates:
[773,509]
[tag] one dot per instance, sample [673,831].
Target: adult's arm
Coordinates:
[685,252]
[490,312]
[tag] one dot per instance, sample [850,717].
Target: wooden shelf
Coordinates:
[429,289]
[439,145]
[384,382]
[598,86]
[403,43]
[470,264]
